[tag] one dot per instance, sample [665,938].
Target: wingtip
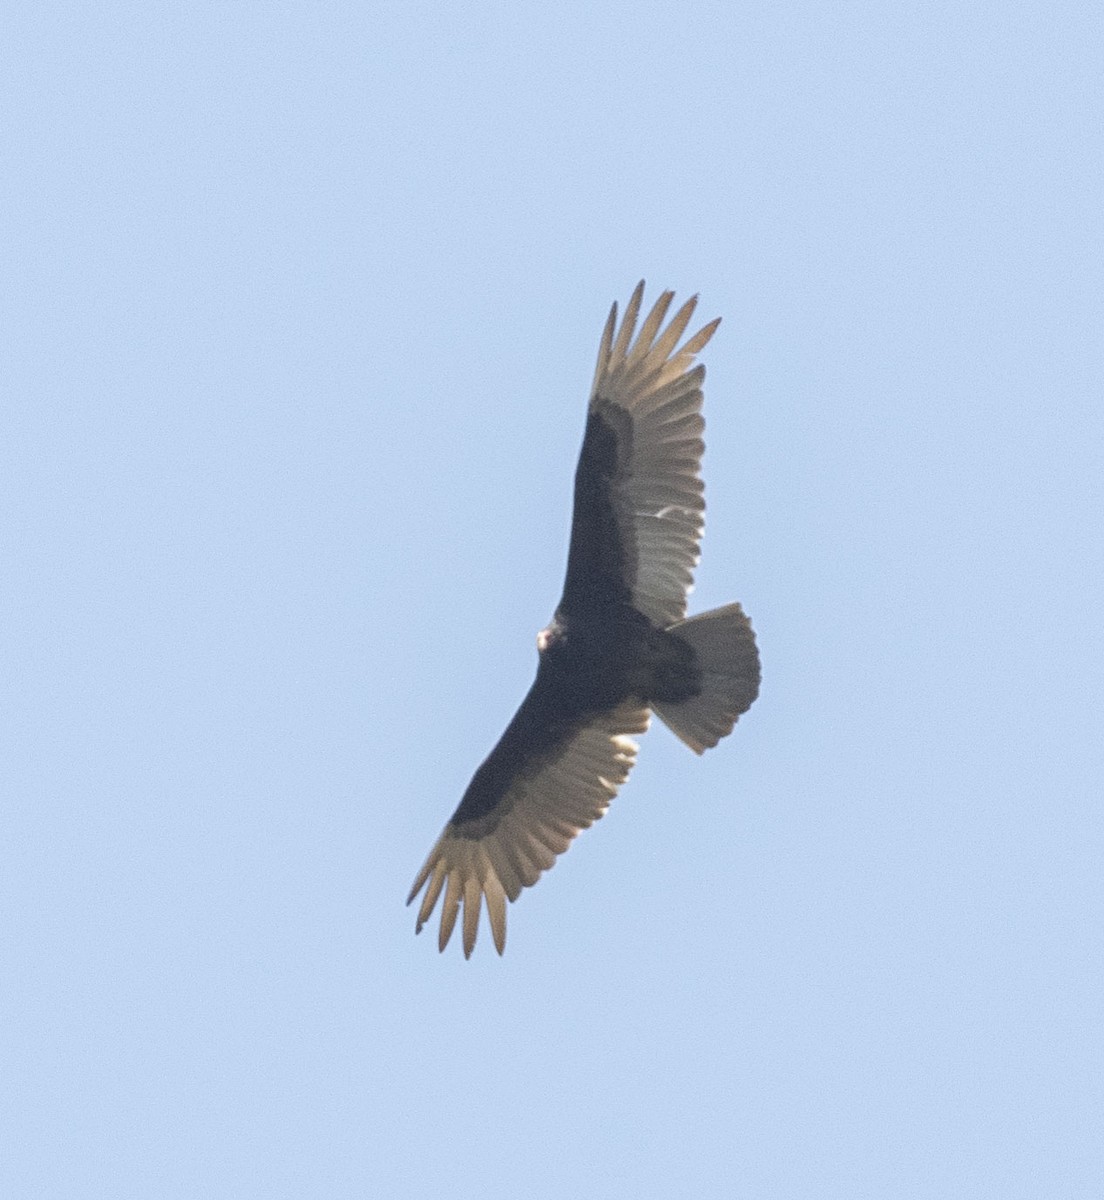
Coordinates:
[699,341]
[604,348]
[623,340]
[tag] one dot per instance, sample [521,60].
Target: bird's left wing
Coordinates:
[543,783]
[638,492]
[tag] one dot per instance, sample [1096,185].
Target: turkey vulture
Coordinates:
[619,645]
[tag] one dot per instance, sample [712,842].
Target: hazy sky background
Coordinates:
[300,309]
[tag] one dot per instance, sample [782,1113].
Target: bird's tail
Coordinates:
[724,651]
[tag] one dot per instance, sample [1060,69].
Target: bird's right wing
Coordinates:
[548,779]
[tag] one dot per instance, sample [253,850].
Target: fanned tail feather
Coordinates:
[724,649]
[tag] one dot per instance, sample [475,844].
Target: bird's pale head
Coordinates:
[549,635]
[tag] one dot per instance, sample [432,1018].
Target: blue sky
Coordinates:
[300,308]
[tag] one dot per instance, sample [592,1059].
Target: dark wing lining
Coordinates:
[538,732]
[523,808]
[601,562]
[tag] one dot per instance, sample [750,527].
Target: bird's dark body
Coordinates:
[598,651]
[592,662]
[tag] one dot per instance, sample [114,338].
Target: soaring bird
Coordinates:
[619,646]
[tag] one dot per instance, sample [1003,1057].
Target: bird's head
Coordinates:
[549,635]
